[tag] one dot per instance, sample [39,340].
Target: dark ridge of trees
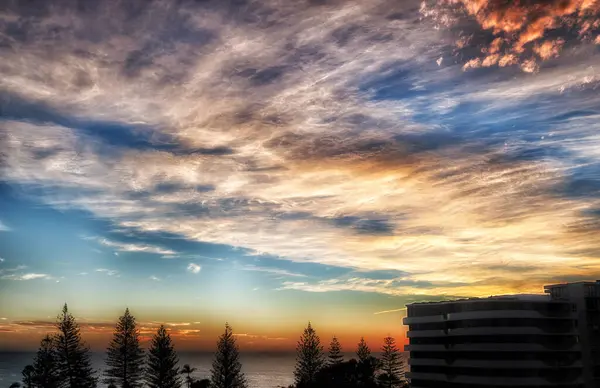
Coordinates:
[162,370]
[226,369]
[125,357]
[63,361]
[73,356]
[204,383]
[335,352]
[309,358]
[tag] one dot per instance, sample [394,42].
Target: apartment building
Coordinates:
[517,341]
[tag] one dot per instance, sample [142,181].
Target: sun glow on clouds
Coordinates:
[521,30]
[260,133]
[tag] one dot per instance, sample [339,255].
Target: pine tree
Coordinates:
[28,373]
[125,357]
[335,352]
[162,370]
[309,358]
[226,369]
[367,365]
[391,365]
[363,352]
[74,364]
[45,365]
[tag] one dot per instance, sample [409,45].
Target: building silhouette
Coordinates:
[517,341]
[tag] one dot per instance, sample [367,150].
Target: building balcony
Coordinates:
[492,364]
[483,381]
[482,315]
[470,331]
[491,347]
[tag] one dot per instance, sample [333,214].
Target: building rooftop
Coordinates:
[590,282]
[521,297]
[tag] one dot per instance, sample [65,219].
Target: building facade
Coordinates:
[586,298]
[517,341]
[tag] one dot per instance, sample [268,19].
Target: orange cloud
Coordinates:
[520,27]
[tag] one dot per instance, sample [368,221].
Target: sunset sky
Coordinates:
[268,163]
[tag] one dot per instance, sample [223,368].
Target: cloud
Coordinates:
[273,271]
[522,32]
[109,272]
[389,311]
[4,228]
[31,276]
[2,260]
[194,268]
[154,278]
[315,137]
[129,247]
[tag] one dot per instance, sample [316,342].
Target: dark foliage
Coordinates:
[335,352]
[226,368]
[74,364]
[391,365]
[188,370]
[27,373]
[363,352]
[125,357]
[45,365]
[162,370]
[338,375]
[309,358]
[204,383]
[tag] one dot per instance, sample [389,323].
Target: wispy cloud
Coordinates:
[269,270]
[27,276]
[31,276]
[109,272]
[154,278]
[194,268]
[389,311]
[128,247]
[4,227]
[365,151]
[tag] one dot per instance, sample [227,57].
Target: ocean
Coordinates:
[263,370]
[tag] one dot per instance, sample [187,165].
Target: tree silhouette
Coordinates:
[74,365]
[309,358]
[162,370]
[112,383]
[363,352]
[367,365]
[15,385]
[28,373]
[226,369]
[187,370]
[45,365]
[335,352]
[125,357]
[391,365]
[204,383]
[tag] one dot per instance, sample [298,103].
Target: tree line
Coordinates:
[63,360]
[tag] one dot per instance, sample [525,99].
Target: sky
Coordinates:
[269,163]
